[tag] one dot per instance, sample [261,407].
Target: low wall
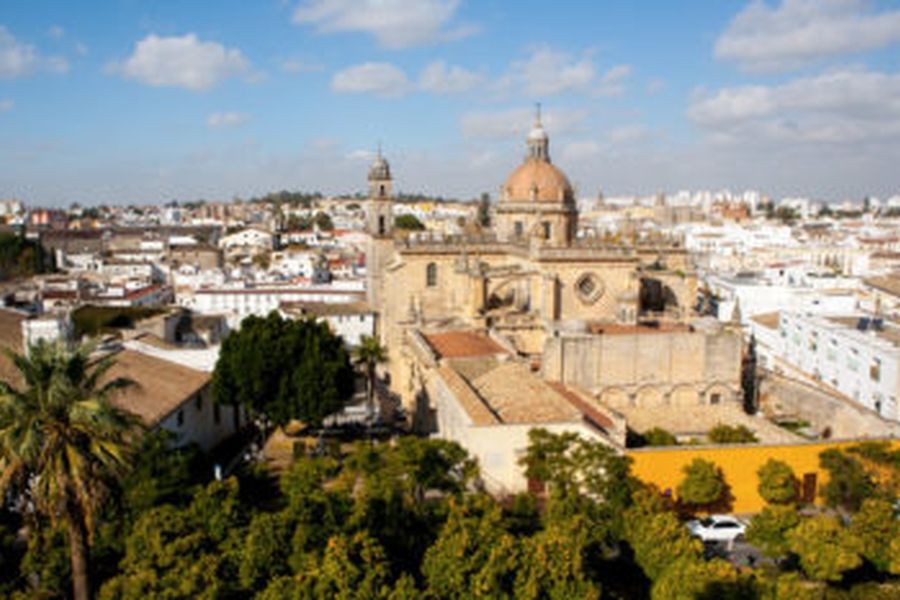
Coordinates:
[739,463]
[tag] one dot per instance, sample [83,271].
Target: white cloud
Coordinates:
[517,122]
[18,58]
[56,32]
[440,78]
[655,85]
[627,134]
[299,65]
[226,119]
[614,81]
[379,78]
[393,23]
[619,140]
[7,105]
[81,49]
[581,150]
[797,32]
[360,155]
[838,107]
[183,61]
[548,72]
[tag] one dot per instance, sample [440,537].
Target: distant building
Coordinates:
[858,355]
[350,320]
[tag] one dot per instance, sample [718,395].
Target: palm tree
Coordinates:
[62,442]
[369,354]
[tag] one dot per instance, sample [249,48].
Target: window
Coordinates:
[875,370]
[588,288]
[179,418]
[431,275]
[547,229]
[217,414]
[198,402]
[381,227]
[715,398]
[518,228]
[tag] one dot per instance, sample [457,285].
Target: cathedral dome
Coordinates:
[380,169]
[537,180]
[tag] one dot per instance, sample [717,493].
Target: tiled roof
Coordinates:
[471,402]
[462,344]
[519,396]
[162,386]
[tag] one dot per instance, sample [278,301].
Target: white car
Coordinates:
[717,528]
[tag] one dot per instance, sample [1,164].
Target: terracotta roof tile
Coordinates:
[462,344]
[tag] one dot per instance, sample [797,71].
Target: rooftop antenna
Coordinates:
[379,148]
[537,114]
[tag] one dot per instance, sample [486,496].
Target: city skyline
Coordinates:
[131,102]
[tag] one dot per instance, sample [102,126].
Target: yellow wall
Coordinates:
[663,466]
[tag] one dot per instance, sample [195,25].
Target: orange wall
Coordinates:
[739,463]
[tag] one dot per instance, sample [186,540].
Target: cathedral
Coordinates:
[614,318]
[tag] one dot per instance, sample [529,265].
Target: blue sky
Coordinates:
[139,101]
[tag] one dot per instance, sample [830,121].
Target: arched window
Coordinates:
[431,275]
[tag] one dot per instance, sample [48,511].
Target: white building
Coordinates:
[351,320]
[239,302]
[250,238]
[758,293]
[857,355]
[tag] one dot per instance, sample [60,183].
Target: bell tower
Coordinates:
[380,227]
[380,211]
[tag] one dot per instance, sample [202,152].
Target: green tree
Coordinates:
[408,223]
[894,553]
[691,578]
[656,536]
[484,211]
[299,223]
[874,526]
[369,354]
[266,550]
[62,441]
[848,481]
[473,556]
[768,530]
[727,434]
[21,257]
[189,552]
[554,563]
[323,221]
[777,483]
[284,369]
[703,484]
[825,548]
[568,462]
[657,436]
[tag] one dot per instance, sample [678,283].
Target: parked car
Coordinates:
[717,528]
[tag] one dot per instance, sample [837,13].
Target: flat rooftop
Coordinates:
[889,332]
[769,320]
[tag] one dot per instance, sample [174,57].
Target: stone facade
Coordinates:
[529,281]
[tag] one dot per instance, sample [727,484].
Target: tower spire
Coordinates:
[538,143]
